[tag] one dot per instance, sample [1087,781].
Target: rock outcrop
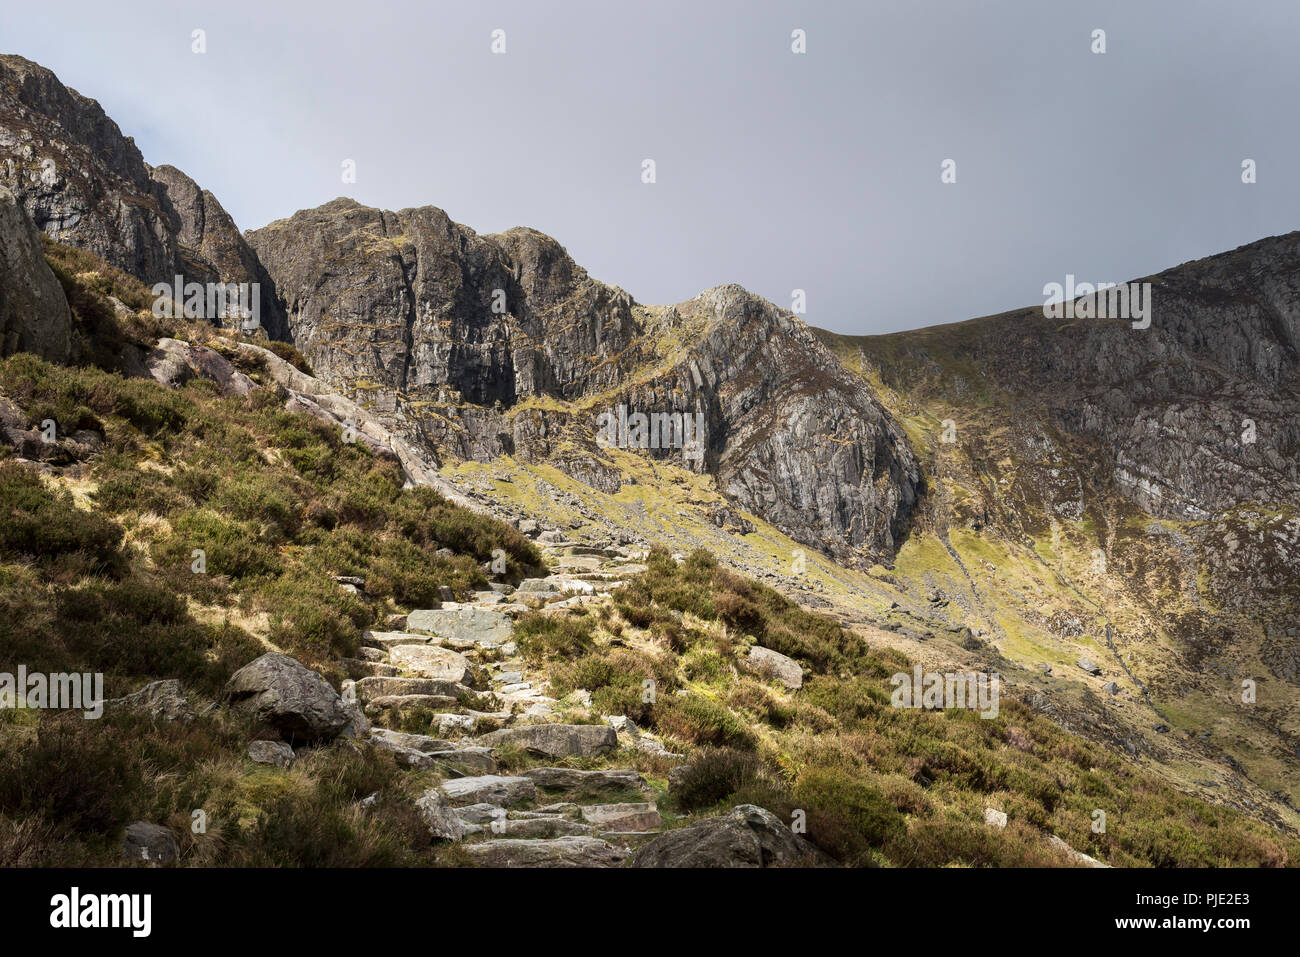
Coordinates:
[34,314]
[491,345]
[87,185]
[746,836]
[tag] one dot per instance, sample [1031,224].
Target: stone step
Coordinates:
[485,627]
[556,740]
[408,702]
[359,668]
[629,840]
[386,640]
[430,661]
[470,721]
[624,817]
[367,653]
[368,689]
[488,789]
[537,828]
[480,813]
[418,742]
[571,779]
[575,851]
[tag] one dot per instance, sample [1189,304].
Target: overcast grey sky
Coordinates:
[774,170]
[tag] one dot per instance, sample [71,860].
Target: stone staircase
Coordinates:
[459,664]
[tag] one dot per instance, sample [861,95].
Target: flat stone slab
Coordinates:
[570,779]
[471,759]
[402,701]
[623,817]
[392,639]
[419,742]
[540,828]
[480,813]
[483,626]
[576,851]
[1090,666]
[557,740]
[379,687]
[431,661]
[489,789]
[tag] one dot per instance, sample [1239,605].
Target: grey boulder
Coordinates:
[288,696]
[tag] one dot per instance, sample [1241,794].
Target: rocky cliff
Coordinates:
[86,184]
[501,344]
[34,315]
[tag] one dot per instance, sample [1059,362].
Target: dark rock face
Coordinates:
[462,339]
[86,185]
[413,301]
[1193,415]
[212,245]
[34,314]
[81,180]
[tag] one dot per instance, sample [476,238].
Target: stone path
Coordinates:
[459,662]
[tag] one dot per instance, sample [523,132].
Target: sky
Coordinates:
[818,171]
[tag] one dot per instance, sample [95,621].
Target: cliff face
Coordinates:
[1191,416]
[491,345]
[34,314]
[85,184]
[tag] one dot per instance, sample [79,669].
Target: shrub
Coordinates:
[697,719]
[712,775]
[43,525]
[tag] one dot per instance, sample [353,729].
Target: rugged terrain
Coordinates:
[1012,494]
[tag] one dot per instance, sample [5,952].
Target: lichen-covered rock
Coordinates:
[289,697]
[746,836]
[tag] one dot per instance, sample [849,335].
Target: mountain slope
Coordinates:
[492,345]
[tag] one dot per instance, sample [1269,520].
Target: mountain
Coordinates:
[501,345]
[1103,515]
[85,184]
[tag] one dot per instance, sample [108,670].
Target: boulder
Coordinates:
[746,836]
[34,313]
[557,740]
[1090,666]
[442,821]
[275,753]
[162,699]
[430,661]
[769,663]
[152,843]
[288,696]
